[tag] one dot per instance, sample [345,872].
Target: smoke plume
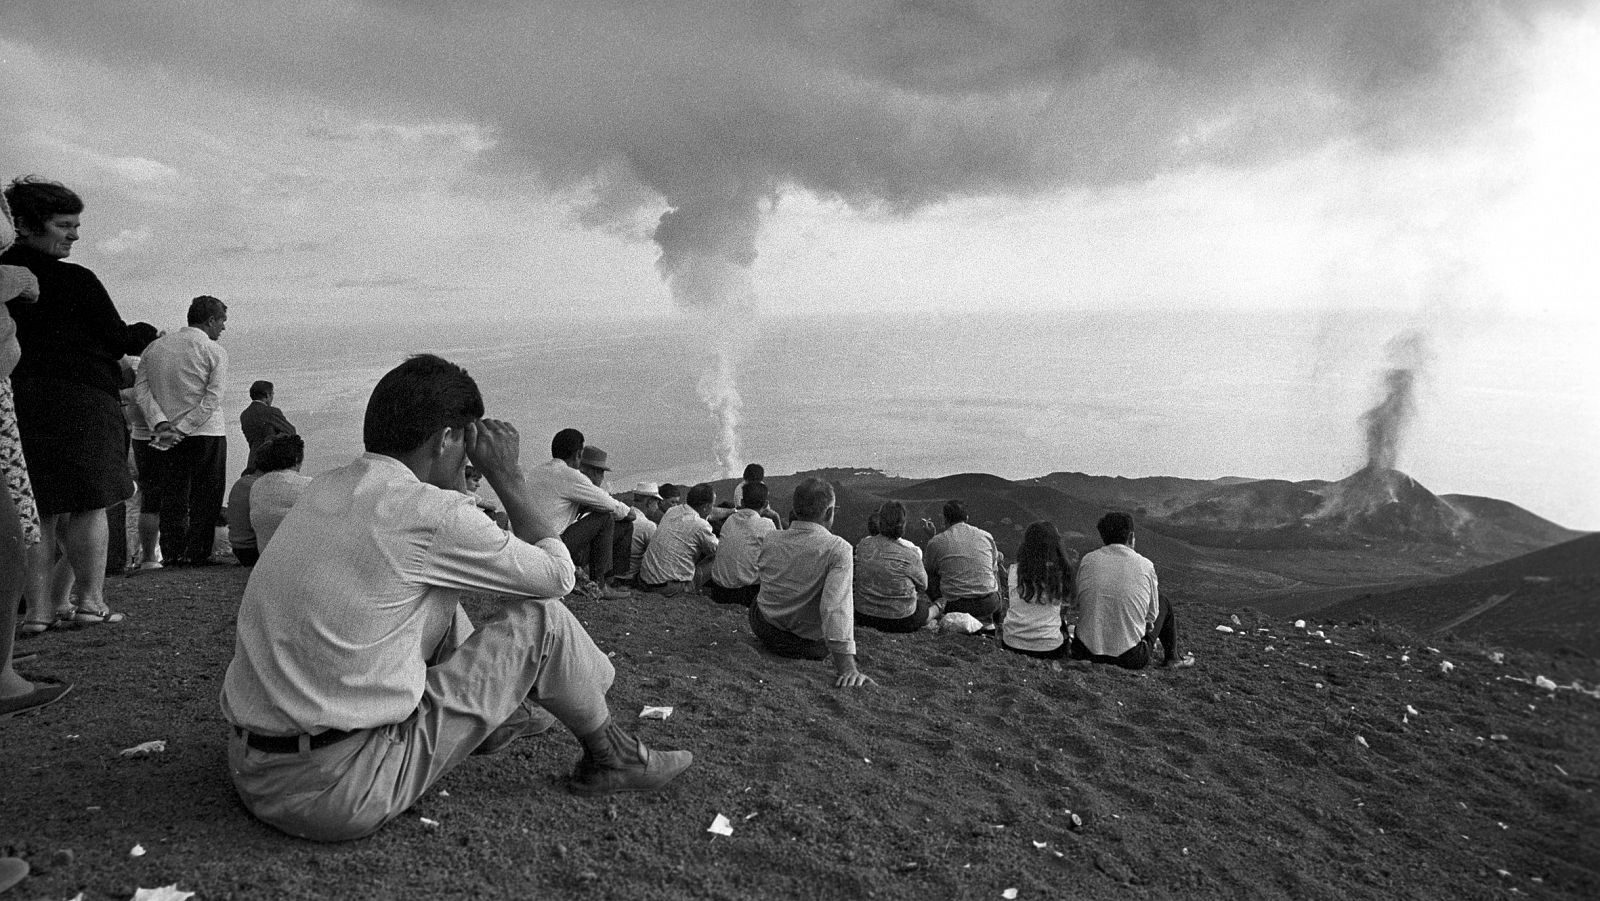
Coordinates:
[1386,423]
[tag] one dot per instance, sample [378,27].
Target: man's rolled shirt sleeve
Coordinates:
[837,605]
[471,553]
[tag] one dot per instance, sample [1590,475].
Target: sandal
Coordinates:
[32,628]
[97,617]
[43,695]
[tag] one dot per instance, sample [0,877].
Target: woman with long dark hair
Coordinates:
[1041,588]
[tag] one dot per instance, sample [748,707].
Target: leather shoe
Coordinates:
[644,771]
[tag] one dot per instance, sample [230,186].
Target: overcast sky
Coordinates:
[381,159]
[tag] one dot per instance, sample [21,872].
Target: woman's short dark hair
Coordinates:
[754,472]
[280,452]
[35,201]
[754,496]
[892,520]
[1043,574]
[1115,527]
[416,399]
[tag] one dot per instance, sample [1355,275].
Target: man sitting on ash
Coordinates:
[964,568]
[586,516]
[679,556]
[1121,612]
[804,609]
[733,578]
[357,680]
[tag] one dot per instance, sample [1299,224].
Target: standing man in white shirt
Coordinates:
[1121,612]
[180,385]
[582,511]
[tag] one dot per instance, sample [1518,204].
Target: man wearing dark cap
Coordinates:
[261,421]
[567,490]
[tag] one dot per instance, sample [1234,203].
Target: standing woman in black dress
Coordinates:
[68,409]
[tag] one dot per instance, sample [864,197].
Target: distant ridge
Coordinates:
[1547,600]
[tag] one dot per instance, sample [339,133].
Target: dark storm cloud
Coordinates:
[716,108]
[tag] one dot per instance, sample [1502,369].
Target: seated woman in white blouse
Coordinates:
[1041,589]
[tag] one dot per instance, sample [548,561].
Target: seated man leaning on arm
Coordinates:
[964,568]
[804,609]
[679,556]
[734,579]
[1121,612]
[586,516]
[357,679]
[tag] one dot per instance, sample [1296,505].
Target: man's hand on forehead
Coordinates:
[493,446]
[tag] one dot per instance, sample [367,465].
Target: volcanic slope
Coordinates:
[1548,600]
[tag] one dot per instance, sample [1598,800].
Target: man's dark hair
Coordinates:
[702,495]
[260,389]
[754,472]
[669,492]
[34,201]
[280,452]
[1115,527]
[812,498]
[142,334]
[416,399]
[954,512]
[892,520]
[205,308]
[755,496]
[566,443]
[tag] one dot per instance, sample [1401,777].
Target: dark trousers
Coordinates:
[982,608]
[744,596]
[782,642]
[193,477]
[247,556]
[1139,656]
[1059,652]
[595,541]
[917,619]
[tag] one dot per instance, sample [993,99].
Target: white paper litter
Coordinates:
[1009,894]
[1362,741]
[1446,666]
[655,713]
[1299,624]
[1546,684]
[1235,619]
[964,623]
[1412,710]
[429,823]
[720,826]
[1227,629]
[144,749]
[164,893]
[136,851]
[1497,657]
[1041,845]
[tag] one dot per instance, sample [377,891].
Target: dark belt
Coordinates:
[290,744]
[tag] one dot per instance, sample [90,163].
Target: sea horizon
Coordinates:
[1504,408]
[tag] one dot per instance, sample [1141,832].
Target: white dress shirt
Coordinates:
[562,493]
[181,380]
[1118,599]
[363,579]
[740,548]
